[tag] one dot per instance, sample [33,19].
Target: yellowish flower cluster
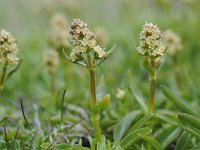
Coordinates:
[172,41]
[150,41]
[58,35]
[8,48]
[84,41]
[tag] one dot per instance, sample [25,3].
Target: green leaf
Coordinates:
[137,95]
[125,123]
[152,142]
[168,135]
[140,123]
[182,143]
[191,120]
[180,103]
[133,137]
[188,124]
[171,137]
[167,118]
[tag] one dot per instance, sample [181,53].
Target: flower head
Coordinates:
[58,35]
[172,41]
[84,41]
[51,60]
[150,41]
[8,48]
[58,20]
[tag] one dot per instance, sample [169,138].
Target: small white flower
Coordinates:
[120,94]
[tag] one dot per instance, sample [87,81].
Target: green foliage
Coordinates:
[125,123]
[180,103]
[34,117]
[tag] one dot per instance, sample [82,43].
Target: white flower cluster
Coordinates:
[172,41]
[8,48]
[150,41]
[51,60]
[84,41]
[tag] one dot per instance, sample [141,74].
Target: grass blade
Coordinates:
[13,145]
[6,138]
[62,104]
[23,113]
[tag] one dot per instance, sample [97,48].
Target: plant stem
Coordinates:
[152,86]
[3,77]
[94,114]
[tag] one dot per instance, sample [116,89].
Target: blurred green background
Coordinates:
[29,22]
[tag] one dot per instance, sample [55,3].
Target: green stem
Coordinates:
[94,115]
[93,101]
[3,77]
[152,86]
